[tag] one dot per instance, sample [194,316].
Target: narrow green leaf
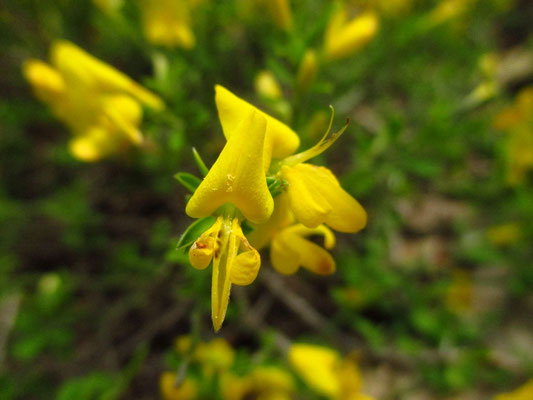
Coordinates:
[190,181]
[199,162]
[194,231]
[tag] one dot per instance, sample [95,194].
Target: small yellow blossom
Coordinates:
[168,22]
[215,355]
[448,10]
[264,383]
[281,13]
[99,104]
[109,6]
[307,70]
[267,86]
[524,392]
[459,294]
[501,235]
[517,121]
[186,391]
[326,372]
[345,37]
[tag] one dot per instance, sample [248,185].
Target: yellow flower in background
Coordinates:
[460,292]
[267,86]
[109,6]
[215,356]
[281,13]
[517,121]
[448,10]
[326,372]
[345,37]
[524,392]
[307,70]
[186,391]
[504,234]
[263,383]
[100,105]
[168,22]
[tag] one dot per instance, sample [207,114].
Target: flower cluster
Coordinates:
[100,105]
[257,164]
[322,369]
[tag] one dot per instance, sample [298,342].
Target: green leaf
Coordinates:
[199,162]
[194,231]
[190,181]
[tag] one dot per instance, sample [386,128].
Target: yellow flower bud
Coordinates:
[281,13]
[186,391]
[344,38]
[267,86]
[307,70]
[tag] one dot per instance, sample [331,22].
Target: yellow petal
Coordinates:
[281,13]
[345,38]
[47,83]
[318,367]
[280,218]
[237,177]
[80,68]
[186,391]
[316,197]
[290,250]
[524,392]
[222,264]
[125,114]
[280,139]
[307,70]
[94,144]
[167,22]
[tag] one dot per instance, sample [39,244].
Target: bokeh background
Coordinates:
[434,297]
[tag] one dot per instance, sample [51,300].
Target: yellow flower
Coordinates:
[326,372]
[448,10]
[517,121]
[345,37]
[167,22]
[99,104]
[186,391]
[281,13]
[267,86]
[501,235]
[215,355]
[109,6]
[263,383]
[234,188]
[459,295]
[524,392]
[307,70]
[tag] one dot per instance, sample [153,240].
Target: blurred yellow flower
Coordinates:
[100,105]
[186,391]
[345,37]
[517,121]
[263,383]
[267,86]
[459,294]
[524,392]
[326,372]
[168,22]
[307,70]
[501,235]
[215,356]
[448,10]
[109,6]
[281,13]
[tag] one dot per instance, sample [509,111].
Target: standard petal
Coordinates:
[237,177]
[316,197]
[281,140]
